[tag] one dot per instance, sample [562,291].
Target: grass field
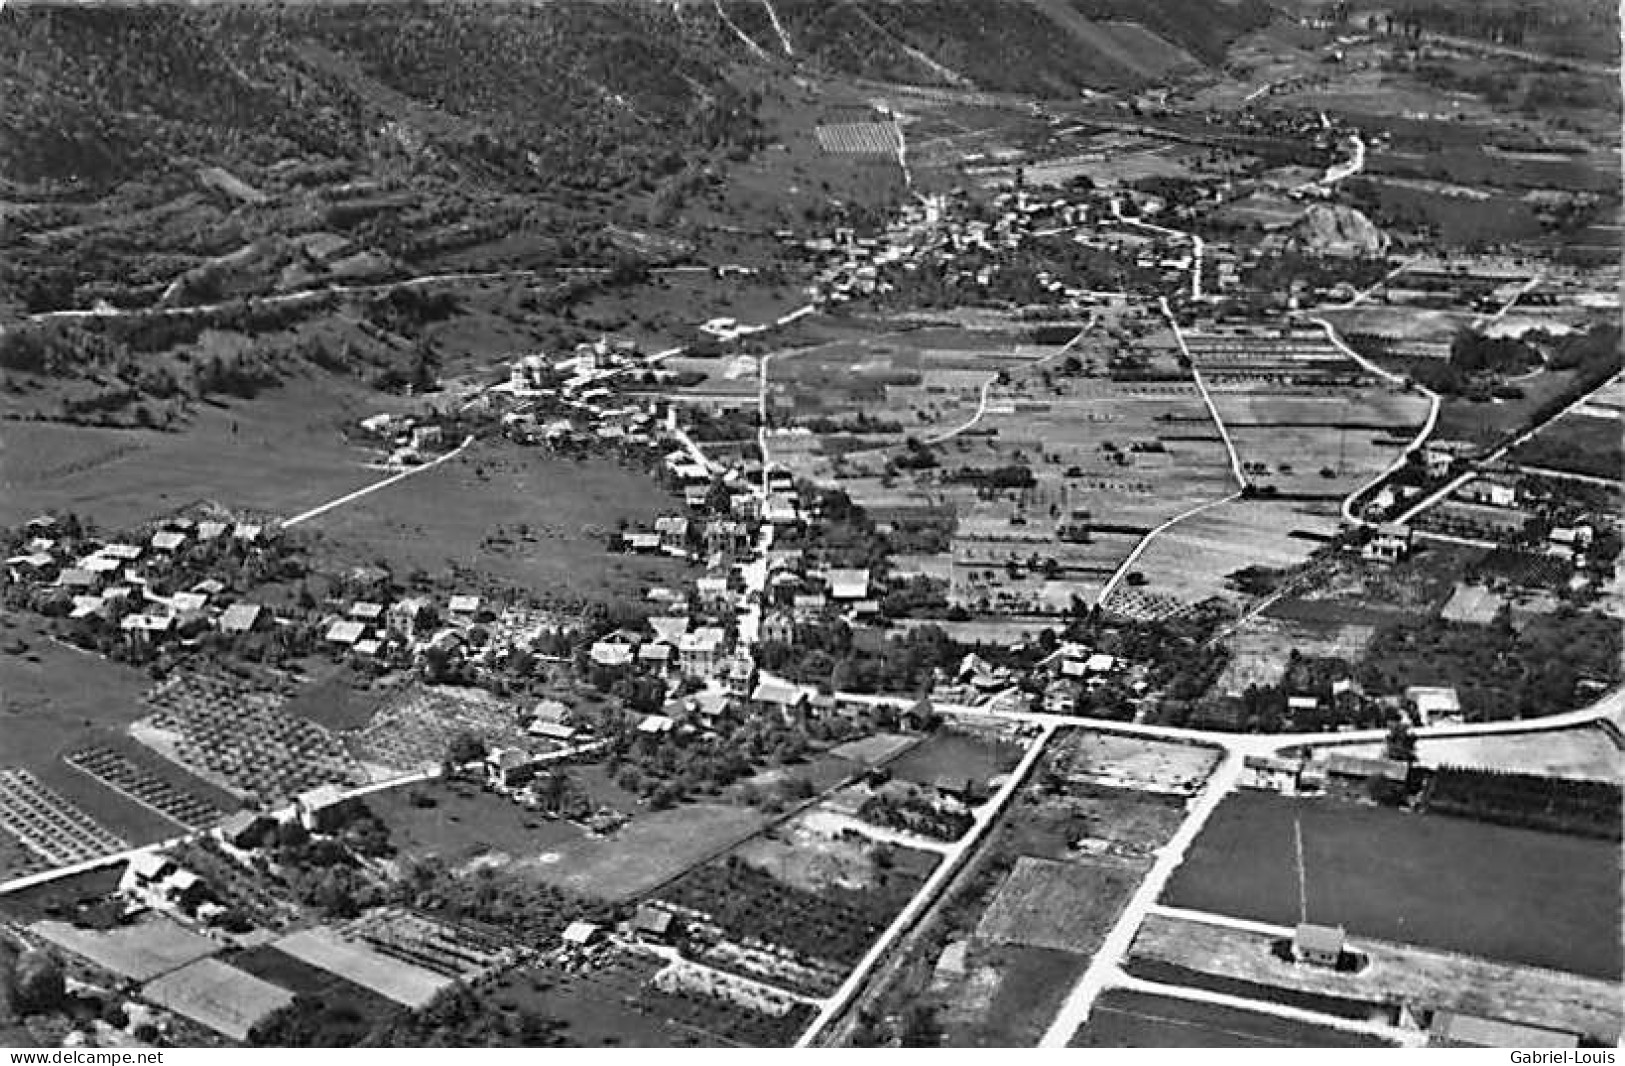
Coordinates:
[279,454]
[466,821]
[958,755]
[1497,892]
[1579,443]
[1137,1019]
[1067,906]
[346,1006]
[599,1009]
[647,851]
[1011,996]
[55,700]
[518,517]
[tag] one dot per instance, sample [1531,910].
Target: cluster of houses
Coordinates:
[121,582]
[408,438]
[1334,773]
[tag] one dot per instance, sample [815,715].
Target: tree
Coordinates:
[41,985]
[1401,743]
[465,748]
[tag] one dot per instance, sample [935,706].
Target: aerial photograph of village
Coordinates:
[811,524]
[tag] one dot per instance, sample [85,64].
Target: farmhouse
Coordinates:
[1434,704]
[848,584]
[1271,773]
[1318,945]
[580,934]
[1391,544]
[652,923]
[509,767]
[324,808]
[240,617]
[782,697]
[345,633]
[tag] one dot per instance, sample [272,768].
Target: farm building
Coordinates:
[1318,945]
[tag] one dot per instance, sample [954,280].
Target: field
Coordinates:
[1189,562]
[233,732]
[1578,443]
[278,455]
[1259,649]
[517,517]
[1067,906]
[410,731]
[1008,996]
[1135,763]
[1489,423]
[824,848]
[326,948]
[1124,1019]
[1244,962]
[988,965]
[861,138]
[1403,877]
[218,996]
[601,1007]
[464,822]
[1587,754]
[649,850]
[343,1000]
[43,718]
[138,952]
[957,755]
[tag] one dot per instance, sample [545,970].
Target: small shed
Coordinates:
[1318,945]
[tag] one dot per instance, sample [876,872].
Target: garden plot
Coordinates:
[1260,647]
[459,951]
[233,734]
[1067,906]
[413,732]
[355,960]
[49,825]
[121,773]
[858,138]
[1134,762]
[137,952]
[1191,560]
